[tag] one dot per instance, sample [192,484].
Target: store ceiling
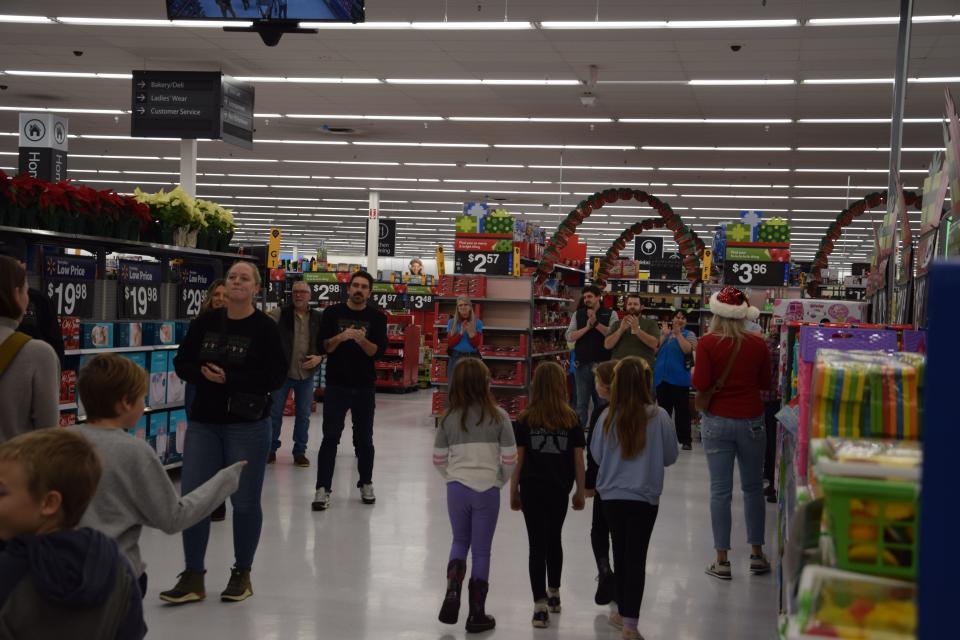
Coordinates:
[641,74]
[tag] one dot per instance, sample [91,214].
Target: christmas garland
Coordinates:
[691,247]
[844,218]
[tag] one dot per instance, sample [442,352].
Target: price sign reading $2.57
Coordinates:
[138,286]
[68,283]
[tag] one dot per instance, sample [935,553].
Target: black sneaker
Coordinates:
[239,587]
[301,461]
[272,457]
[189,588]
[541,619]
[606,588]
[553,602]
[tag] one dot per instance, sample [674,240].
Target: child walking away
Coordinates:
[135,490]
[475,452]
[57,581]
[599,531]
[550,445]
[636,441]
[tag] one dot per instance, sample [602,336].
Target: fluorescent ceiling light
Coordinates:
[116,22]
[848,81]
[868,120]
[742,186]
[504,25]
[488,81]
[275,141]
[720,83]
[672,148]
[25,19]
[665,24]
[69,74]
[65,110]
[882,149]
[359,117]
[212,24]
[496,166]
[705,120]
[728,169]
[588,167]
[429,164]
[593,147]
[308,80]
[379,164]
[457,145]
[267,115]
[842,22]
[510,119]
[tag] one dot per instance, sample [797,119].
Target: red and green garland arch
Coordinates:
[844,218]
[691,247]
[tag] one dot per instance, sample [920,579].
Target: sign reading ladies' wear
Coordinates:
[195,279]
[138,287]
[68,283]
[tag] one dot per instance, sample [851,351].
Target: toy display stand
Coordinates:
[399,367]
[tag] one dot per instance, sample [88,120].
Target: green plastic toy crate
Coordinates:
[874,525]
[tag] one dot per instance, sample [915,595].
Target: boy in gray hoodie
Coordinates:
[135,489]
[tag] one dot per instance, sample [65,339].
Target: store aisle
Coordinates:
[358,572]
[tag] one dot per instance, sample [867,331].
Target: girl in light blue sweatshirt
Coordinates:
[636,442]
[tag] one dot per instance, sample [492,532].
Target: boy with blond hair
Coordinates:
[57,581]
[135,489]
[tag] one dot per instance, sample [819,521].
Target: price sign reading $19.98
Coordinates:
[68,283]
[138,287]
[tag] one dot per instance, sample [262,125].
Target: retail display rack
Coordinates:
[103,308]
[522,327]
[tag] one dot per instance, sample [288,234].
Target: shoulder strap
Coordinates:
[726,370]
[10,348]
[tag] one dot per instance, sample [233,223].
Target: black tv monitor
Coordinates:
[293,10]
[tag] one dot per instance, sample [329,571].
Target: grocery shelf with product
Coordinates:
[133,298]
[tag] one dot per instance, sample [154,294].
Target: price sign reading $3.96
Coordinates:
[754,274]
[68,283]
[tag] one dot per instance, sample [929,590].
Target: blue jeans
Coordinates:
[361,403]
[586,391]
[303,399]
[743,439]
[209,448]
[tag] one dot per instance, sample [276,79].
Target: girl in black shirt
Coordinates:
[550,445]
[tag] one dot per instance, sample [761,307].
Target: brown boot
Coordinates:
[450,610]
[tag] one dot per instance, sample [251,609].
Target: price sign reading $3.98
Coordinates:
[68,283]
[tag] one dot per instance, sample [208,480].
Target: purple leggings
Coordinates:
[473,518]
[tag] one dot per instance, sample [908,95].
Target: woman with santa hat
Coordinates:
[734,364]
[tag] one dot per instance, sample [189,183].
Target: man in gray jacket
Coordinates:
[299,328]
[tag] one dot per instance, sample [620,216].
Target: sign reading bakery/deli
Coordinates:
[483,254]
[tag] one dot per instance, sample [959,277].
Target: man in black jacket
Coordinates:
[40,321]
[588,328]
[299,328]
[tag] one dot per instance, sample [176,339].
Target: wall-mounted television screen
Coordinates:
[307,10]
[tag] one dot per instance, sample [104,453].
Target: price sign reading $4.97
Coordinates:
[753,274]
[138,286]
[68,283]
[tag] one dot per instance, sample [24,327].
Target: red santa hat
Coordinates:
[730,302]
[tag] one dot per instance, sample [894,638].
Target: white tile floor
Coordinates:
[358,572]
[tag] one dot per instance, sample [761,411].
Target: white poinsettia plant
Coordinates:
[177,209]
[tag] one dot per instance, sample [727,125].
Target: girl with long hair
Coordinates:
[475,452]
[599,531]
[636,442]
[550,445]
[735,365]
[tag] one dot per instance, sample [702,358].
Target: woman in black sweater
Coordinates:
[599,531]
[234,357]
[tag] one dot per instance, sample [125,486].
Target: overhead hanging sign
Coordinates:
[43,146]
[273,248]
[191,105]
[647,249]
[387,242]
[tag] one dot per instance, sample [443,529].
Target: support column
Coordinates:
[896,137]
[373,233]
[188,166]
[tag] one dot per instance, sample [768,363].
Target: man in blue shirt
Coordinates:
[671,375]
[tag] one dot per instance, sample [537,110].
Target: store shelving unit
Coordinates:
[105,300]
[398,368]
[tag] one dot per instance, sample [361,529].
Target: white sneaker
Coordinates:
[615,620]
[321,500]
[366,494]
